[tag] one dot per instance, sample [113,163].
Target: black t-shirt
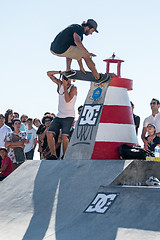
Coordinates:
[136,122]
[65,38]
[153,144]
[9,124]
[40,130]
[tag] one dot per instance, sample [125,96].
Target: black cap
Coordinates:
[92,23]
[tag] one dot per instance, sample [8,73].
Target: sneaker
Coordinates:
[62,157]
[104,78]
[70,73]
[152,181]
[51,157]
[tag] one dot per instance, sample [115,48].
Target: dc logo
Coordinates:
[101,203]
[90,115]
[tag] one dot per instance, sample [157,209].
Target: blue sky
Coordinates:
[128,28]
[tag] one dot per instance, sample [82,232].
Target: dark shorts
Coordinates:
[30,154]
[61,123]
[2,177]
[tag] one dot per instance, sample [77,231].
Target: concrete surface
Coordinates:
[134,215]
[55,200]
[41,198]
[138,171]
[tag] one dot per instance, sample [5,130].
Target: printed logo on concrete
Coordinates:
[90,115]
[97,93]
[101,203]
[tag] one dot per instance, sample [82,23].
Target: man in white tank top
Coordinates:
[66,113]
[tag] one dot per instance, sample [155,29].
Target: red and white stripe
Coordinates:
[116,125]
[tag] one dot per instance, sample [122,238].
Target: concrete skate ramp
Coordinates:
[71,200]
[133,215]
[47,199]
[138,171]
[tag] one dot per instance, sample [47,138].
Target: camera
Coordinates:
[65,78]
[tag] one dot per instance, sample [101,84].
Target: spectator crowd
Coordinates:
[19,136]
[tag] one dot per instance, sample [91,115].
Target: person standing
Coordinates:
[154,118]
[15,143]
[37,122]
[8,118]
[42,135]
[4,129]
[24,125]
[32,137]
[136,119]
[68,43]
[66,113]
[15,115]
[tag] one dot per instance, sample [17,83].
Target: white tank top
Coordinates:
[66,109]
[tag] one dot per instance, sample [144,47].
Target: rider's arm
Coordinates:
[78,42]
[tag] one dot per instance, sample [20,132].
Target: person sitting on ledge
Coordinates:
[152,139]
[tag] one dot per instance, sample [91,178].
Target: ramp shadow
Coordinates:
[78,182]
[43,200]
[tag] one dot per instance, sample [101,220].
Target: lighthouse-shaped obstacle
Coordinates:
[106,121]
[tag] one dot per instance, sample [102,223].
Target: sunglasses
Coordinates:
[47,121]
[149,126]
[153,103]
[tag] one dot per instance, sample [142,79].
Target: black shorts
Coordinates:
[61,123]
